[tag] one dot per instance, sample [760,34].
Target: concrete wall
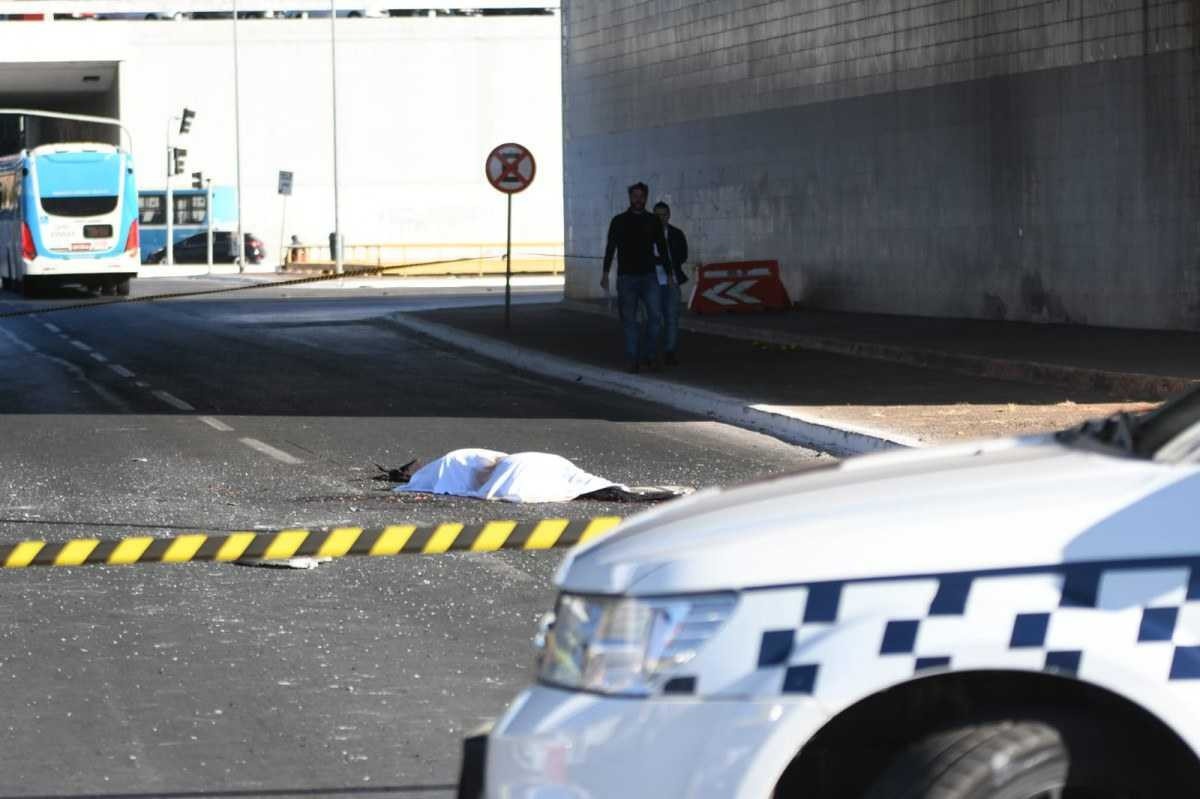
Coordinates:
[422,101]
[1000,159]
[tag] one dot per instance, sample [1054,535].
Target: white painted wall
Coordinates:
[421,103]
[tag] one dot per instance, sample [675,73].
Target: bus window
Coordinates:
[79,206]
[150,209]
[190,209]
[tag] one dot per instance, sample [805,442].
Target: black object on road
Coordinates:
[400,475]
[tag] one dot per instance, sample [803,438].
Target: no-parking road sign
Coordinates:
[510,168]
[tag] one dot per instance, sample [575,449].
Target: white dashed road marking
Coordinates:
[104,393]
[18,341]
[172,400]
[167,397]
[267,449]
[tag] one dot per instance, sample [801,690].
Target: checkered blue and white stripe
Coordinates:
[843,639]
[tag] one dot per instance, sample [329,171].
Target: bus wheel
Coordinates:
[122,287]
[29,287]
[108,289]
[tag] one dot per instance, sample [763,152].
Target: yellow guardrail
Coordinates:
[469,258]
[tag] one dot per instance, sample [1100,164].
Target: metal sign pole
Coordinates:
[284,188]
[283,259]
[508,271]
[208,214]
[510,168]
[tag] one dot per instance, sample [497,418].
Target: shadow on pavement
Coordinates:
[764,372]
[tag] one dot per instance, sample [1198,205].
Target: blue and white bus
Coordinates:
[191,215]
[68,214]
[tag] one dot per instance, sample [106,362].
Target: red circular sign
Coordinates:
[510,168]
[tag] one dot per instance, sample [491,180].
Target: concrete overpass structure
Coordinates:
[1008,159]
[421,102]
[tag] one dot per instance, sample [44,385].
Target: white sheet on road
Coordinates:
[522,477]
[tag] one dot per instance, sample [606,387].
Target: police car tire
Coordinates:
[1000,760]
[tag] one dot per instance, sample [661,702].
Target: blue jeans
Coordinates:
[670,301]
[633,290]
[669,308]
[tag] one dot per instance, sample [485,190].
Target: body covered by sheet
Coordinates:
[520,477]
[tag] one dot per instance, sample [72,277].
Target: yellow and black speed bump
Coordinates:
[339,542]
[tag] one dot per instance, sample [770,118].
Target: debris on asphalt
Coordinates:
[400,475]
[289,563]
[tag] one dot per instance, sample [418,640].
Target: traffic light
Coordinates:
[178,158]
[197,180]
[185,121]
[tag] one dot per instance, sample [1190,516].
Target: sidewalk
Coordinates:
[874,401]
[1141,364]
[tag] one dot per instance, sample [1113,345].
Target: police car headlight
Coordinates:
[626,645]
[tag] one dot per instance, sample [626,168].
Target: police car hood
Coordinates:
[999,504]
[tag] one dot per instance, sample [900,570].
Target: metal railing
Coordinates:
[470,258]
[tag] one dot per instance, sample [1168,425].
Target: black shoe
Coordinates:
[671,360]
[635,367]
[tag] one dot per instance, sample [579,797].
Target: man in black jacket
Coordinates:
[636,237]
[670,277]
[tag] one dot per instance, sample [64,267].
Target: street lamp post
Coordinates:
[338,266]
[237,144]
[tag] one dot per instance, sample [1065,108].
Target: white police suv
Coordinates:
[1006,620]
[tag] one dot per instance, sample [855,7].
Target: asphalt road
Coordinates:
[263,409]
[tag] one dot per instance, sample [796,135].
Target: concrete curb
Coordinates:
[1122,385]
[834,437]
